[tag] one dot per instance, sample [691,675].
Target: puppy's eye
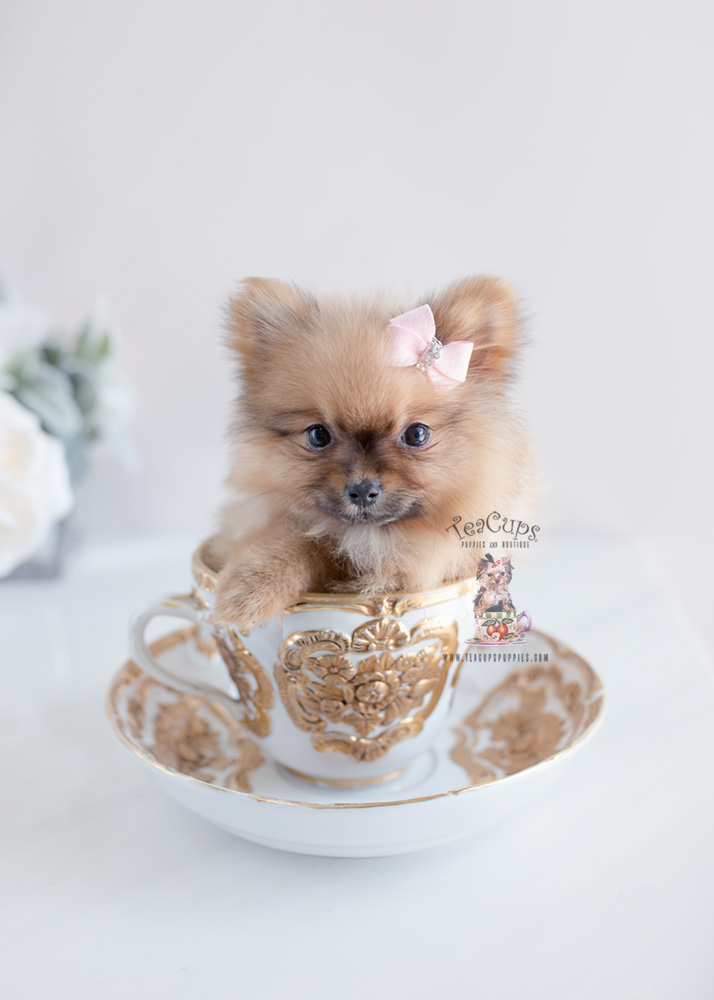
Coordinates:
[318,436]
[416,435]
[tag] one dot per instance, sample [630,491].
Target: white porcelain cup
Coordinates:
[339,689]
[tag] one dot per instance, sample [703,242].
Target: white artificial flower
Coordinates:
[35,491]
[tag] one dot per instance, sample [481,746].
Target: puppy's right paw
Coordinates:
[247,600]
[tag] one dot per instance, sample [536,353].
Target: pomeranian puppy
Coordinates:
[494,578]
[350,459]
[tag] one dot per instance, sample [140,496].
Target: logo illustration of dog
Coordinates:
[494,577]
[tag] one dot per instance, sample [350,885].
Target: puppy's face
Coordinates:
[367,468]
[336,432]
[495,577]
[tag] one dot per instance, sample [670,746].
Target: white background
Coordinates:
[157,152]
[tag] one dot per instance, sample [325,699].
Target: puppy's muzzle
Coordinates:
[364,493]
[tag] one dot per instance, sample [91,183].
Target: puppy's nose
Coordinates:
[363,493]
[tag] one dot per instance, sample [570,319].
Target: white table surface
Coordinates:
[603,889]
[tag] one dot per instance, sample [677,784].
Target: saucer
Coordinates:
[515,721]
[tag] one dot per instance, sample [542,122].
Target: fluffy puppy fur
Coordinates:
[290,524]
[494,581]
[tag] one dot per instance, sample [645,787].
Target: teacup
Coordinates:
[339,689]
[501,628]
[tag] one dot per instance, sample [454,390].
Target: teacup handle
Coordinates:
[181,606]
[526,628]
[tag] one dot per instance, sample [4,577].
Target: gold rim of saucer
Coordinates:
[395,604]
[354,783]
[182,635]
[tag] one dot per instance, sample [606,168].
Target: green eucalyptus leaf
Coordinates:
[23,363]
[84,393]
[81,346]
[77,453]
[56,408]
[94,343]
[49,375]
[53,355]
[104,348]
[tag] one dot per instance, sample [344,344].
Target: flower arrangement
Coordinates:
[60,392]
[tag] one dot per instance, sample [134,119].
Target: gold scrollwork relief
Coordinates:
[363,704]
[254,688]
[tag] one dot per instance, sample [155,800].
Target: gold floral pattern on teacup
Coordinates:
[530,716]
[382,633]
[381,698]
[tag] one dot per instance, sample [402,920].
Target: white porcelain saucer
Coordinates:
[516,720]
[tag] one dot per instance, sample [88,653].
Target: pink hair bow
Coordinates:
[413,341]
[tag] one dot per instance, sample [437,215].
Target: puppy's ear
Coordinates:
[482,310]
[507,562]
[263,312]
[482,565]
